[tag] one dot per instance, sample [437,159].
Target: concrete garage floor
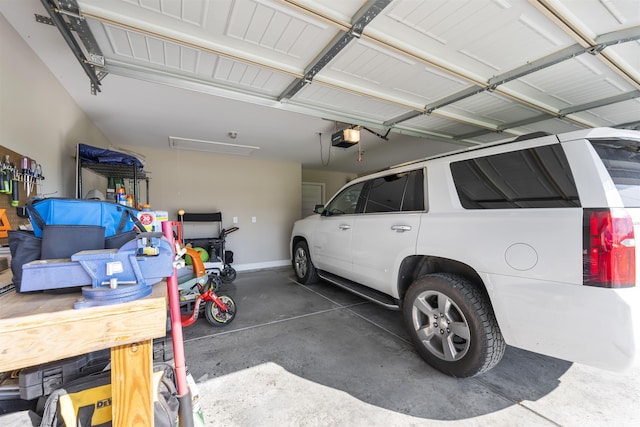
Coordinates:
[319,356]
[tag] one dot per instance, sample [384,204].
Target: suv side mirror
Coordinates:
[318,209]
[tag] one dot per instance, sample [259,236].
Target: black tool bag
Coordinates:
[25,247]
[58,241]
[62,241]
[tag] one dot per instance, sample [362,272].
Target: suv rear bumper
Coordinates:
[594,326]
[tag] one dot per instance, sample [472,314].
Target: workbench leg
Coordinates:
[132,385]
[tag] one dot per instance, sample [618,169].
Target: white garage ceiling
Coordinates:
[432,75]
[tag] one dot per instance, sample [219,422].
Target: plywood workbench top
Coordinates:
[38,327]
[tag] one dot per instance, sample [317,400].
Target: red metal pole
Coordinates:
[186,409]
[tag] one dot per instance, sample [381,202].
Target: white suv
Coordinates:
[529,243]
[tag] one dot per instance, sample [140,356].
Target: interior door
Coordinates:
[312,195]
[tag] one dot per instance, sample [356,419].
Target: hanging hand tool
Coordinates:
[5,177]
[7,180]
[27,182]
[39,178]
[25,171]
[2,167]
[15,196]
[31,178]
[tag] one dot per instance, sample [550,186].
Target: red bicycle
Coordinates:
[219,310]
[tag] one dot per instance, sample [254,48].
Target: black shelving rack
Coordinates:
[114,170]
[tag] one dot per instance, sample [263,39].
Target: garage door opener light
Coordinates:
[346,137]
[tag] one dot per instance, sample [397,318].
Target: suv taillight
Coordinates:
[609,248]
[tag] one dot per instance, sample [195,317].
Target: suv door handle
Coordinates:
[401,228]
[344,227]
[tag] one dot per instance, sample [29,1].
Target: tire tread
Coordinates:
[312,275]
[494,341]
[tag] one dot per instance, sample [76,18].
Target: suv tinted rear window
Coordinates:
[398,192]
[538,177]
[622,160]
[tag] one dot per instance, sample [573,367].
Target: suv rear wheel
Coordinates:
[452,325]
[305,271]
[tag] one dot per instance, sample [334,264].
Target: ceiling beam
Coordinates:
[599,103]
[336,45]
[57,14]
[502,128]
[537,65]
[402,118]
[362,18]
[561,114]
[594,46]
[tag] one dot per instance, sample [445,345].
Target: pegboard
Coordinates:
[5,199]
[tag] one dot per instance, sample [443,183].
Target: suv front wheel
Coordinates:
[452,325]
[305,271]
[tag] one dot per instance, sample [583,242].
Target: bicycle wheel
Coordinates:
[217,317]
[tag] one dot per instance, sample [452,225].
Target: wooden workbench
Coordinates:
[37,328]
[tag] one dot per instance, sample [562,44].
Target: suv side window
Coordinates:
[398,192]
[349,201]
[622,160]
[385,194]
[537,177]
[414,192]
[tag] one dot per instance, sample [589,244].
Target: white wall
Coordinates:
[239,187]
[38,118]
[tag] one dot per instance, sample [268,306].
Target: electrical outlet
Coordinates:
[253,219]
[235,219]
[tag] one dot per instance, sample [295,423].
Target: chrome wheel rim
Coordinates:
[301,262]
[441,326]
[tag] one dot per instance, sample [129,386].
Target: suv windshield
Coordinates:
[622,160]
